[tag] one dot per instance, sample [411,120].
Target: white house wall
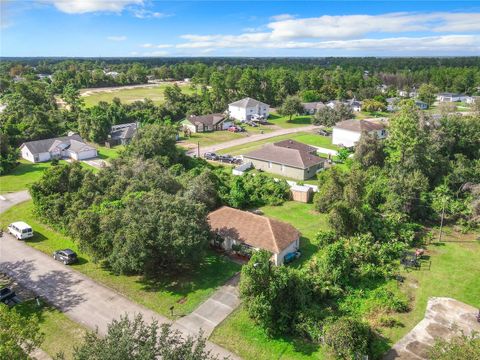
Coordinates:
[344,137]
[278,258]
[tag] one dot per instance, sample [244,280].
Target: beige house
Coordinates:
[287,158]
[237,227]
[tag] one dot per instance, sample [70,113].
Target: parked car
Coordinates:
[226,159]
[251,123]
[236,128]
[288,258]
[237,160]
[6,294]
[8,297]
[210,156]
[66,256]
[20,230]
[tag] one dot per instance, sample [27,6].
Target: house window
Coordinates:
[269,164]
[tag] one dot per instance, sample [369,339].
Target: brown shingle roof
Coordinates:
[258,231]
[359,125]
[292,144]
[283,155]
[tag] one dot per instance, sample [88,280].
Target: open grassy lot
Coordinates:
[185,292]
[303,137]
[455,265]
[212,138]
[22,176]
[282,121]
[129,95]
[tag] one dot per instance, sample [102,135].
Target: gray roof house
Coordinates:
[210,122]
[122,134]
[72,147]
[312,107]
[287,158]
[248,109]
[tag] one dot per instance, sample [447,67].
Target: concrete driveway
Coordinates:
[443,319]
[213,311]
[79,297]
[10,199]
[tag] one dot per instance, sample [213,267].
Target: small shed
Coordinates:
[301,193]
[242,169]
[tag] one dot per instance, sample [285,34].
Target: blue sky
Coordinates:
[239,28]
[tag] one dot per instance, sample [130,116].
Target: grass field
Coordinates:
[156,94]
[282,121]
[61,333]
[21,176]
[212,138]
[185,292]
[453,273]
[108,153]
[303,137]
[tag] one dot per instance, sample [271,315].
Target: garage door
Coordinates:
[87,154]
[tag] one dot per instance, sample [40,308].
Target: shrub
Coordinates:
[348,338]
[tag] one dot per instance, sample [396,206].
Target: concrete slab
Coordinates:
[214,310]
[444,318]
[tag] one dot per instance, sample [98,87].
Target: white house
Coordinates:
[347,133]
[252,232]
[451,97]
[472,99]
[72,147]
[248,108]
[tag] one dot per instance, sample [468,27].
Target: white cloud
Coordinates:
[142,13]
[86,6]
[117,38]
[153,46]
[156,53]
[356,26]
[440,33]
[281,17]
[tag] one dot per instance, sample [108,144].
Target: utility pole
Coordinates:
[441,221]
[198,149]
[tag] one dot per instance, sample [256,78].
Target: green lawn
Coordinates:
[185,292]
[454,273]
[303,137]
[156,94]
[61,333]
[108,153]
[282,121]
[21,176]
[212,138]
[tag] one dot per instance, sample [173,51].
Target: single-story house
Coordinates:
[203,123]
[72,147]
[348,132]
[421,105]
[333,103]
[301,193]
[451,97]
[355,105]
[243,228]
[287,158]
[246,109]
[392,104]
[242,169]
[122,134]
[311,108]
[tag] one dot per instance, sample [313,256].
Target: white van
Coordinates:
[20,230]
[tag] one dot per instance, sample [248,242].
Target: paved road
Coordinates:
[79,297]
[213,311]
[252,138]
[10,199]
